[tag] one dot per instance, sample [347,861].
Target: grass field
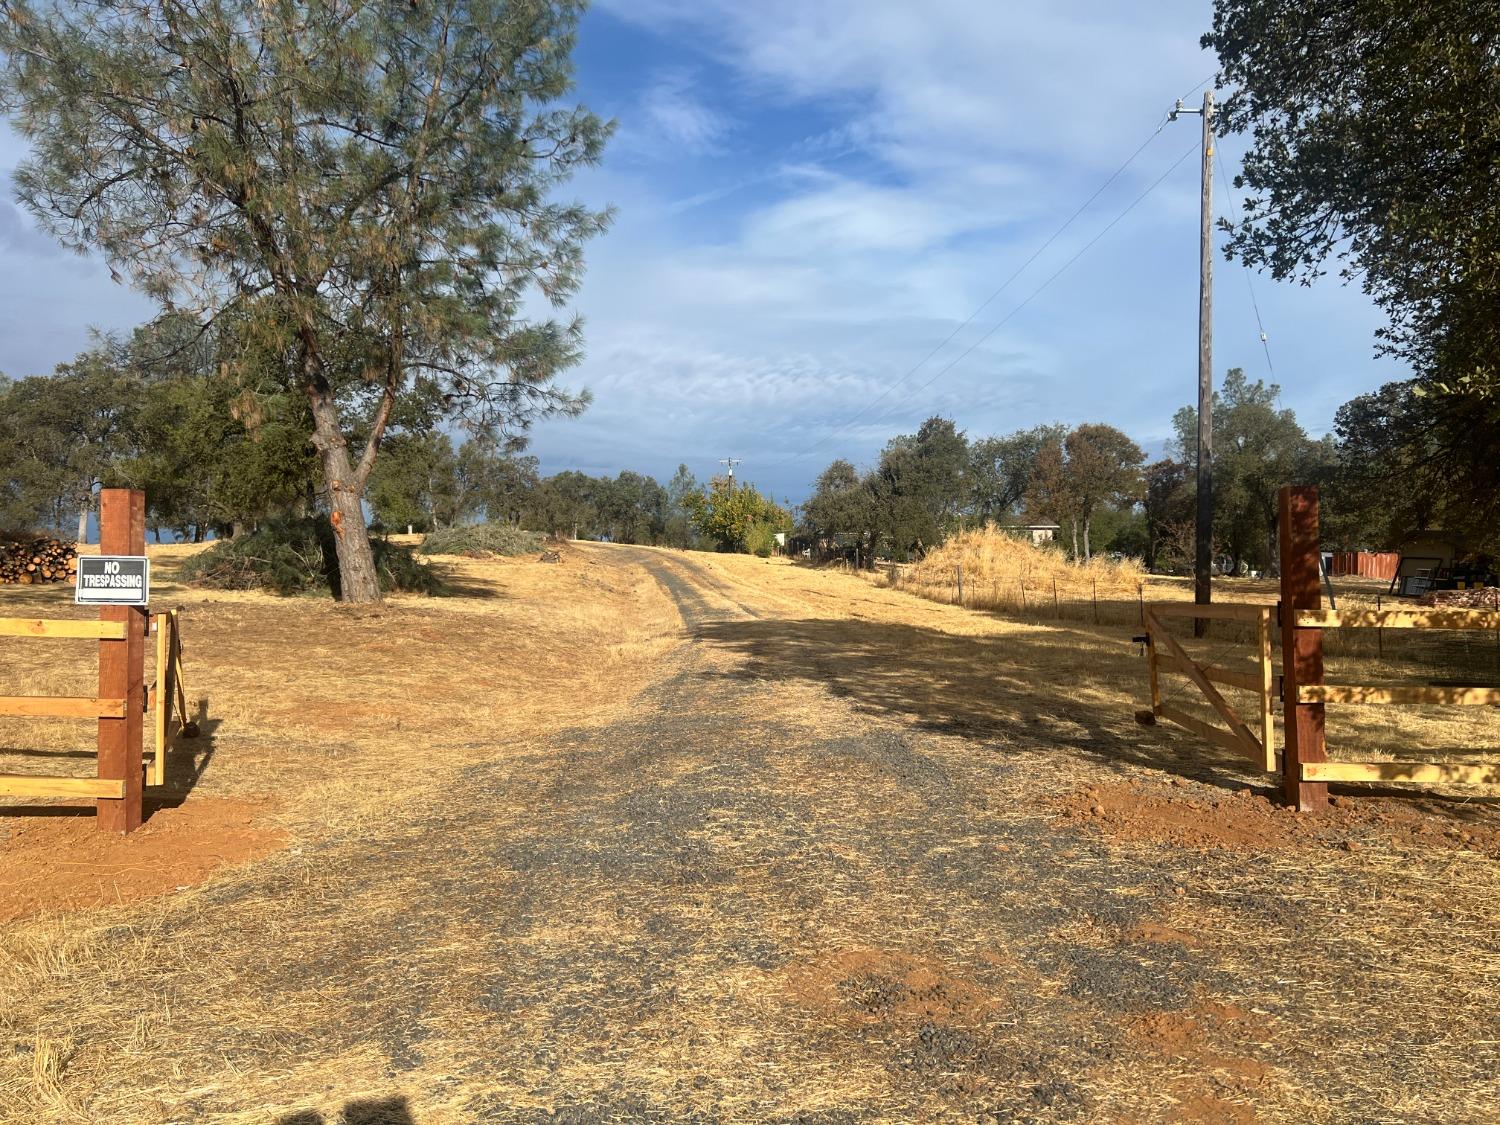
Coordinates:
[644,835]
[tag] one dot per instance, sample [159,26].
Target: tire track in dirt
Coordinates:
[687,584]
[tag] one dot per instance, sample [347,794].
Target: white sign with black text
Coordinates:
[113,580]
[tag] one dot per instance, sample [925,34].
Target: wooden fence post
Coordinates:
[122,666]
[1301,649]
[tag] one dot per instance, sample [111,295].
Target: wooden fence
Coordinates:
[123,699]
[1305,694]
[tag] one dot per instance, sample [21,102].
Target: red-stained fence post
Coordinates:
[122,666]
[1301,648]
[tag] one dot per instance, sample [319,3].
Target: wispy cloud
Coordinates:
[672,119]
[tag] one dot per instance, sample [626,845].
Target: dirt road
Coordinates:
[849,857]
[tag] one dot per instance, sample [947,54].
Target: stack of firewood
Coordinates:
[26,561]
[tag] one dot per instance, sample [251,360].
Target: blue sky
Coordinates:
[813,195]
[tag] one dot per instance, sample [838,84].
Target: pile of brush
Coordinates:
[30,560]
[992,569]
[1483,598]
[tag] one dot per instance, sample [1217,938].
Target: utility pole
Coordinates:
[730,463]
[1203,555]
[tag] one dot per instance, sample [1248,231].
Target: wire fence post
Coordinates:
[960,570]
[1379,633]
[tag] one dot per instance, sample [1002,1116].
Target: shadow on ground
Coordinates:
[1028,692]
[186,764]
[380,1111]
[1025,692]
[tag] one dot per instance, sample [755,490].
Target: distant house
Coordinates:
[1038,533]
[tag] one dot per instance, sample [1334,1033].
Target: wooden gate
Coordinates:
[166,699]
[1165,654]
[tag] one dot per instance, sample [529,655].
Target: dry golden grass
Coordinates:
[1003,572]
[484,861]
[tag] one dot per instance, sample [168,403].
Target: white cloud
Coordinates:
[671,120]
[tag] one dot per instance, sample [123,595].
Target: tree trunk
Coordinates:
[1073,522]
[83,525]
[358,581]
[1088,549]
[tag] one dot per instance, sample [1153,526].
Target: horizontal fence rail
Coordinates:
[1415,695]
[60,707]
[28,785]
[62,629]
[1397,619]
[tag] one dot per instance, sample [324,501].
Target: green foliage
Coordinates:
[1258,448]
[677,526]
[502,485]
[415,482]
[633,508]
[736,517]
[1094,469]
[920,487]
[1001,469]
[362,190]
[567,504]
[760,539]
[480,540]
[211,455]
[1374,126]
[1410,463]
[1169,516]
[62,436]
[841,513]
[298,557]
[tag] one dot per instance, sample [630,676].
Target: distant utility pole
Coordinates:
[730,463]
[1203,560]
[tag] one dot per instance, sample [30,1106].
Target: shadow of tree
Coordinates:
[1029,691]
[1032,691]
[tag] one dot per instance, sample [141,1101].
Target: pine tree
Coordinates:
[364,187]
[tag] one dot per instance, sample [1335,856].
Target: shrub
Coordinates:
[480,540]
[297,557]
[760,539]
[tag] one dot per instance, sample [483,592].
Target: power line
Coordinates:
[1129,160]
[1249,282]
[1038,290]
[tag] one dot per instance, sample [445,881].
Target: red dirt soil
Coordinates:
[861,987]
[1187,816]
[56,863]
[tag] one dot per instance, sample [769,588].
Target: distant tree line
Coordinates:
[1095,484]
[216,456]
[928,484]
